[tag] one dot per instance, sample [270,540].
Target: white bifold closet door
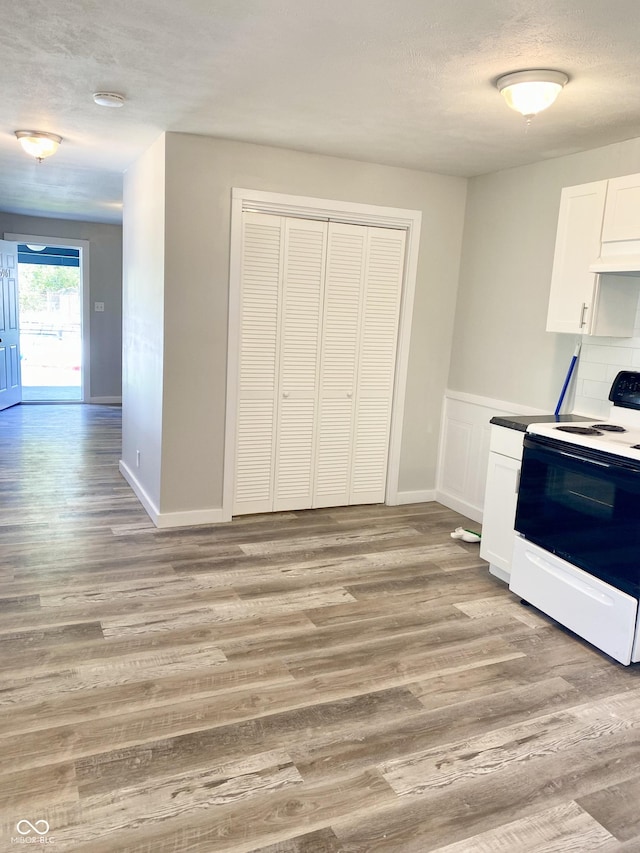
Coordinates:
[300,327]
[318,337]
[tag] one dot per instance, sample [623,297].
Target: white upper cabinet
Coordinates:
[582,301]
[577,244]
[622,211]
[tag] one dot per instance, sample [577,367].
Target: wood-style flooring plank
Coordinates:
[616,809]
[21,690]
[130,749]
[563,829]
[430,730]
[320,841]
[235,828]
[63,707]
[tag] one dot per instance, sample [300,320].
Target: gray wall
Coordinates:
[500,347]
[143,328]
[105,275]
[200,173]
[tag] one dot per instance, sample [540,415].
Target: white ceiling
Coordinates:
[401,82]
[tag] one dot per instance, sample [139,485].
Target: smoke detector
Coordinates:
[108,99]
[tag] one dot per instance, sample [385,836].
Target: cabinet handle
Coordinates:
[583,311]
[518,481]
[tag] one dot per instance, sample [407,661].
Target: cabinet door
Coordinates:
[622,211]
[577,245]
[499,512]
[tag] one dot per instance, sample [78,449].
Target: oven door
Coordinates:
[583,506]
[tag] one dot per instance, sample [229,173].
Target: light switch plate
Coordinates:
[98,306]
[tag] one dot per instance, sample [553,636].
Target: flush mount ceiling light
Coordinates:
[108,99]
[38,143]
[530,92]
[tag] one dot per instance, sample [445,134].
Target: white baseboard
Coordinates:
[190,518]
[420,497]
[150,508]
[461,506]
[187,518]
[106,401]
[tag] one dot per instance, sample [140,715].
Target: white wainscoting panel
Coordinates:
[464,449]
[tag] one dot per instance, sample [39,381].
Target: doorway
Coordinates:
[50,293]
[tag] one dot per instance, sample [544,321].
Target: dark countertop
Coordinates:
[521,422]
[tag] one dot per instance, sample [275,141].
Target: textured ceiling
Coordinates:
[406,83]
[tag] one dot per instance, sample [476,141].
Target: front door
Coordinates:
[10,384]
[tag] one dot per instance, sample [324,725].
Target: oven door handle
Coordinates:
[584,455]
[555,447]
[584,459]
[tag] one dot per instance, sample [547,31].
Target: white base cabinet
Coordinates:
[501,496]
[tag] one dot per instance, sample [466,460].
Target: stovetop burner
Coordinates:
[579,430]
[617,434]
[609,427]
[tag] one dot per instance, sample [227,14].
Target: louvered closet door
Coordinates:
[300,323]
[261,276]
[318,332]
[344,288]
[376,364]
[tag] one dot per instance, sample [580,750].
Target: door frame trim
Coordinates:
[85,305]
[281,204]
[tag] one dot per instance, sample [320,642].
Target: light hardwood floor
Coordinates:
[313,682]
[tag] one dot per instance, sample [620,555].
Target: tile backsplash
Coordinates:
[600,360]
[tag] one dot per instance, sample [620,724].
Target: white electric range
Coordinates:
[577,549]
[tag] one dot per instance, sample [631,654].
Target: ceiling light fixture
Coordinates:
[530,92]
[38,143]
[108,99]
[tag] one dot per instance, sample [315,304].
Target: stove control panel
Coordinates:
[625,391]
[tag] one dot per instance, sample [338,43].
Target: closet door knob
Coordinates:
[285,393]
[349,394]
